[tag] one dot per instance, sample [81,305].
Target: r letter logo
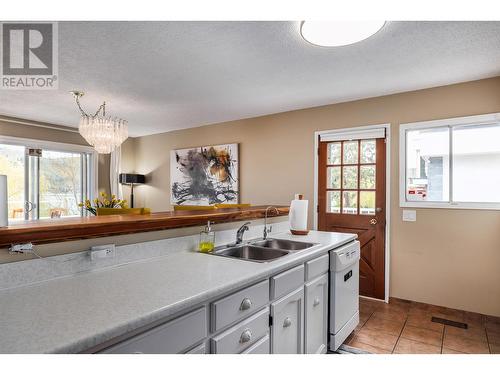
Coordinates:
[28,56]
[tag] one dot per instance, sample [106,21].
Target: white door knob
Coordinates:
[316,301]
[287,322]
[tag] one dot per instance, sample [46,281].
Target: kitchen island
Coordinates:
[92,311]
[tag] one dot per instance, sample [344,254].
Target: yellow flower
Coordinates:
[80,204]
[113,197]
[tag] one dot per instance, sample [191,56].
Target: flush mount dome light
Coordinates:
[338,33]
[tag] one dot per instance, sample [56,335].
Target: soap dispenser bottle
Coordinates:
[207,239]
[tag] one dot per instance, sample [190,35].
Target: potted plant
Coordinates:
[104,202]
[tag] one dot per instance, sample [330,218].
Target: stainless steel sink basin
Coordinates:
[251,252]
[273,243]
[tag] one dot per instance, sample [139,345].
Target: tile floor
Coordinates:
[405,327]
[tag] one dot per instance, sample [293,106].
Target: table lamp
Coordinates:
[131,179]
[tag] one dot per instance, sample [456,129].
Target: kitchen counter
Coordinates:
[74,314]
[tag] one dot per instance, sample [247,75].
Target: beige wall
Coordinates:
[447,257]
[20,129]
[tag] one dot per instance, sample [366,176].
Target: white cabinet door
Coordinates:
[288,323]
[316,315]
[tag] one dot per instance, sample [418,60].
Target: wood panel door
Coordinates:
[351,198]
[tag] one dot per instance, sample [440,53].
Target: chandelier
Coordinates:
[103,132]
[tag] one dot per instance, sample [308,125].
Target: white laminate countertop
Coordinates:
[73,314]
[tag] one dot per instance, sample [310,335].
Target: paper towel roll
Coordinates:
[297,216]
[4,221]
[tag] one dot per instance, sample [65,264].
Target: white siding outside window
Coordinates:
[451,163]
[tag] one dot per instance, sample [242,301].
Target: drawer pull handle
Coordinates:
[245,304]
[246,336]
[287,322]
[316,302]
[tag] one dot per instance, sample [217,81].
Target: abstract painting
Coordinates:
[204,175]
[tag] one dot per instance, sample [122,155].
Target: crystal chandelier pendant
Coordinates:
[103,132]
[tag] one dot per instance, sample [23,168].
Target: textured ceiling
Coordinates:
[163,76]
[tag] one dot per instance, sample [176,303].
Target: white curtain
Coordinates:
[114,171]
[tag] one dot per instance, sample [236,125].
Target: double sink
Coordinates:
[263,250]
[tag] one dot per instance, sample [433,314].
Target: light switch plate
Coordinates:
[409,215]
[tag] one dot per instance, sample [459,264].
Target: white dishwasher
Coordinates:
[344,292]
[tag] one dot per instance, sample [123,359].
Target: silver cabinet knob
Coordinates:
[316,301]
[245,304]
[246,336]
[287,322]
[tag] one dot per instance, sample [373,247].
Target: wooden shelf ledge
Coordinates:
[70,229]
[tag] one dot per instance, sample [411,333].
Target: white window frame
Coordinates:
[492,118]
[63,147]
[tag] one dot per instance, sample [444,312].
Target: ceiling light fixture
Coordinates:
[338,33]
[105,134]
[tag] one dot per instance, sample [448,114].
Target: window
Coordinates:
[350,175]
[452,163]
[46,179]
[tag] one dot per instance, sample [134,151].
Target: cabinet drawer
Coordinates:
[200,349]
[287,281]
[239,305]
[243,335]
[263,346]
[317,267]
[171,337]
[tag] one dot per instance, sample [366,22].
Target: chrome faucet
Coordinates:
[240,232]
[267,231]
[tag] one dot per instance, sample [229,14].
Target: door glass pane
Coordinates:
[476,161]
[333,153]
[350,178]
[367,177]
[12,165]
[350,202]
[368,151]
[351,152]
[60,184]
[333,201]
[333,178]
[427,165]
[367,202]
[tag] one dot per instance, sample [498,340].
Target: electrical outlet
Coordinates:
[102,251]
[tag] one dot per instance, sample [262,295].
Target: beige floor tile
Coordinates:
[405,346]
[393,309]
[379,339]
[474,319]
[492,326]
[390,315]
[493,337]
[465,345]
[495,348]
[355,343]
[426,336]
[424,321]
[450,351]
[392,327]
[472,333]
[364,316]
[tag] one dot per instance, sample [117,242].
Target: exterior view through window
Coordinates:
[351,177]
[44,183]
[455,164]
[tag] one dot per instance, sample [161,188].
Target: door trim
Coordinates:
[387,128]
